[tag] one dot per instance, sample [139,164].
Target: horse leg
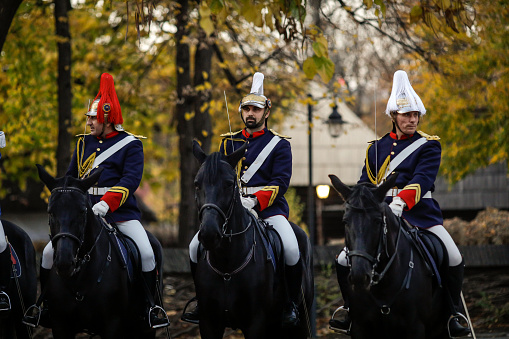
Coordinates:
[209,330]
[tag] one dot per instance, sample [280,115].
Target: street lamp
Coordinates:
[335,122]
[336,129]
[322,192]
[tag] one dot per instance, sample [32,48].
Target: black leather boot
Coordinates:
[156,316]
[192,316]
[342,325]
[5,277]
[454,283]
[39,316]
[293,277]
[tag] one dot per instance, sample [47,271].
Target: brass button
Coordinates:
[244,158]
[394,144]
[245,167]
[98,149]
[100,141]
[392,153]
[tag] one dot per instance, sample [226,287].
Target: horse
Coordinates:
[22,285]
[236,283]
[91,288]
[393,292]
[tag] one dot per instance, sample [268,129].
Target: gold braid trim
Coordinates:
[380,175]
[83,166]
[119,189]
[274,190]
[417,189]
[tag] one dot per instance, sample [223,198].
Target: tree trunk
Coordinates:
[188,218]
[64,85]
[8,9]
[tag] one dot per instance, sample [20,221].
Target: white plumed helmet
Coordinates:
[403,98]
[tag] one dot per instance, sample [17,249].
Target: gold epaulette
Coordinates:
[136,136]
[229,134]
[429,137]
[279,135]
[373,141]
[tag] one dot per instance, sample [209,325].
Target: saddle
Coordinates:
[430,248]
[271,241]
[126,248]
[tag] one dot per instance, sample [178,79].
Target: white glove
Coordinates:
[397,205]
[249,202]
[2,139]
[101,208]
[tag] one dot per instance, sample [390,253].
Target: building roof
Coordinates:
[342,156]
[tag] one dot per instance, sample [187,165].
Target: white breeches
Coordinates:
[3,243]
[282,227]
[453,252]
[133,229]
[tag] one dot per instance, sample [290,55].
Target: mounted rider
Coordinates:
[264,173]
[120,155]
[5,257]
[416,157]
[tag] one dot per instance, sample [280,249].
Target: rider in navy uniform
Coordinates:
[5,256]
[263,187]
[411,198]
[113,196]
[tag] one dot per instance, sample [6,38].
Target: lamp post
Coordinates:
[335,125]
[322,192]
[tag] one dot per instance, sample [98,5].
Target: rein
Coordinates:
[385,307]
[226,216]
[382,244]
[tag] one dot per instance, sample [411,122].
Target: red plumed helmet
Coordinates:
[107,103]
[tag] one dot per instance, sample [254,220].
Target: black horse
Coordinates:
[393,294]
[89,288]
[236,284]
[22,284]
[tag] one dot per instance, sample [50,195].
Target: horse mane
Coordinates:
[211,166]
[362,196]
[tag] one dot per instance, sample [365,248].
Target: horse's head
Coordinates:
[365,227]
[216,193]
[68,209]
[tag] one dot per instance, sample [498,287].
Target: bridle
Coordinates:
[63,235]
[226,216]
[382,247]
[78,240]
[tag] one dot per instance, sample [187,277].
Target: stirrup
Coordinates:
[32,320]
[154,310]
[8,308]
[337,329]
[458,316]
[183,318]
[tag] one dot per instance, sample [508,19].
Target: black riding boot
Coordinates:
[156,316]
[293,277]
[6,267]
[43,319]
[192,316]
[454,282]
[342,273]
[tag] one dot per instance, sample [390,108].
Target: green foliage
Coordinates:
[467,100]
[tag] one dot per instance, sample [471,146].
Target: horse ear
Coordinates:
[235,157]
[46,178]
[343,190]
[383,188]
[90,181]
[198,152]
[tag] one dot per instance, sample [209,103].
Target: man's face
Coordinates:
[407,122]
[95,128]
[252,116]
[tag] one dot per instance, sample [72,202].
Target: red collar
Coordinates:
[255,134]
[403,137]
[109,135]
